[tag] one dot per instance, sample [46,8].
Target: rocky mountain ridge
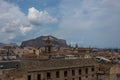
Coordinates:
[41,41]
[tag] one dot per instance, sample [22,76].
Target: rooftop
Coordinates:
[56,64]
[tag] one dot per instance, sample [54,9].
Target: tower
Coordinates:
[48,45]
[76,45]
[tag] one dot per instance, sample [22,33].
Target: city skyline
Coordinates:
[89,23]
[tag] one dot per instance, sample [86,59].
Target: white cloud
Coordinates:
[25,29]
[11,20]
[88,22]
[11,36]
[96,22]
[40,17]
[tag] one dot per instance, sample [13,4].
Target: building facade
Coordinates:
[59,69]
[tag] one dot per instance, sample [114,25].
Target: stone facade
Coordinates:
[78,73]
[77,69]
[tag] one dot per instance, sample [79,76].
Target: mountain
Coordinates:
[2,44]
[8,44]
[40,42]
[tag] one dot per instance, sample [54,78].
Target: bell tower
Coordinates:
[48,45]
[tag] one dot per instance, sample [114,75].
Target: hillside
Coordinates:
[40,42]
[2,44]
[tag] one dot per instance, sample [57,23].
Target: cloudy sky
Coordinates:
[94,23]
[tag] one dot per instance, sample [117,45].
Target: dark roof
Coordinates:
[56,64]
[9,64]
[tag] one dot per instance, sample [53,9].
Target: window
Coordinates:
[99,69]
[86,76]
[86,70]
[79,71]
[29,77]
[48,75]
[92,75]
[79,78]
[57,74]
[38,77]
[1,66]
[65,73]
[73,72]
[17,66]
[92,69]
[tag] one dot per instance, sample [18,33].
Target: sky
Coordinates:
[89,23]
